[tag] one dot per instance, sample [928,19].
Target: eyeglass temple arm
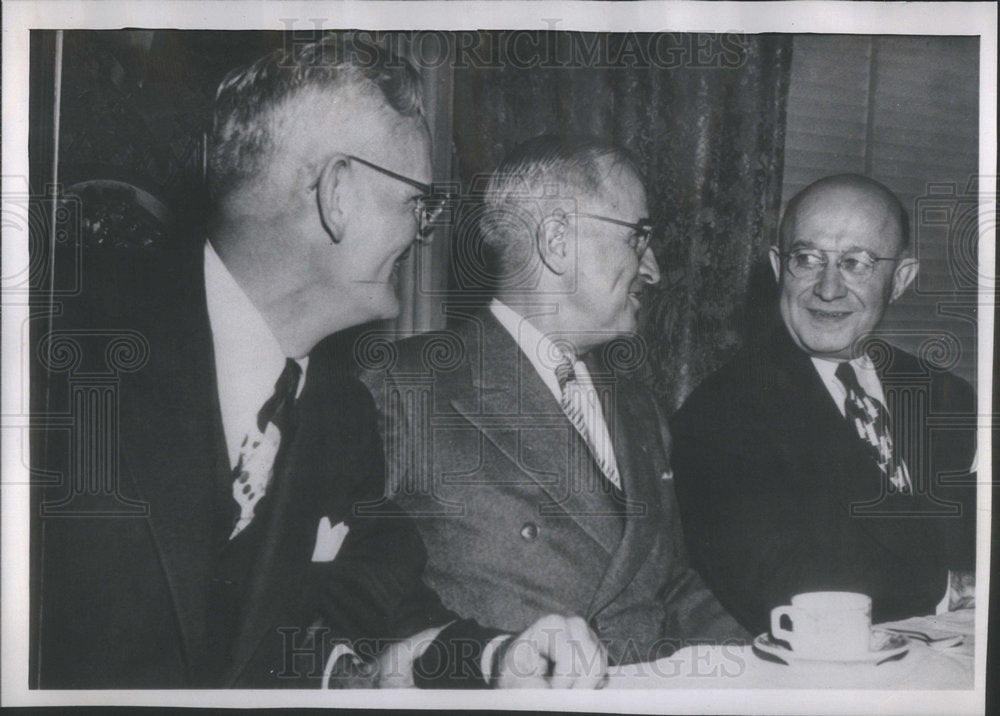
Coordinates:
[424,188]
[645,226]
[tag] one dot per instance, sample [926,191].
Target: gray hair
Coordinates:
[249,97]
[542,172]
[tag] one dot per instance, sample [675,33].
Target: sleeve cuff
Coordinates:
[455,659]
[486,662]
[338,653]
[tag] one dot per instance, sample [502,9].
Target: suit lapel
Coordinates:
[172,445]
[506,400]
[274,566]
[288,527]
[848,472]
[640,459]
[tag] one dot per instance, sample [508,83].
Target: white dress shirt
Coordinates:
[867,377]
[544,356]
[248,358]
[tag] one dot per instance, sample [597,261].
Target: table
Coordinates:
[739,667]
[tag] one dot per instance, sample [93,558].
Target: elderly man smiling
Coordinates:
[536,472]
[806,463]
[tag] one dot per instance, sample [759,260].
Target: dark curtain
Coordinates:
[135,105]
[703,113]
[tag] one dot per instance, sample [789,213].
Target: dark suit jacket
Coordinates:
[516,519]
[133,477]
[780,496]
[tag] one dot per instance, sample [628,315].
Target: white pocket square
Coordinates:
[328,540]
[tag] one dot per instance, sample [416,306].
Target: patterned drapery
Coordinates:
[704,114]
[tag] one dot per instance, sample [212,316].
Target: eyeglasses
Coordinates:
[855,266]
[642,230]
[428,206]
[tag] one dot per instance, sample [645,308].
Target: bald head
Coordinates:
[842,261]
[844,193]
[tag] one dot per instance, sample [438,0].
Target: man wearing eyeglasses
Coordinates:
[808,463]
[535,467]
[228,550]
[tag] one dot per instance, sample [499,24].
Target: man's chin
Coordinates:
[824,347]
[382,302]
[626,331]
[390,306]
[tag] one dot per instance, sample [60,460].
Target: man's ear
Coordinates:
[551,241]
[774,254]
[330,200]
[902,277]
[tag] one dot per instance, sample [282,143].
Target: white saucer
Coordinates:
[885,645]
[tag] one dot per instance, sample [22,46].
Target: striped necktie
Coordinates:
[255,467]
[871,420]
[580,405]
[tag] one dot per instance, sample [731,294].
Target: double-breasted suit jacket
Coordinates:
[779,495]
[132,519]
[517,520]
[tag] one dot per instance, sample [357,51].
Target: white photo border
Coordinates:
[21,16]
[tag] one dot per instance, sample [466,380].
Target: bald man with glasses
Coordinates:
[810,462]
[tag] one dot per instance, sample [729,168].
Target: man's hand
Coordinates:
[395,663]
[556,653]
[961,590]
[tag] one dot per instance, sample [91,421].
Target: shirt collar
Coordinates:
[863,368]
[248,358]
[861,364]
[541,352]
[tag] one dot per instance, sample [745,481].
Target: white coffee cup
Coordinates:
[832,625]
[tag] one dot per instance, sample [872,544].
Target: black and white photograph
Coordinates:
[628,357]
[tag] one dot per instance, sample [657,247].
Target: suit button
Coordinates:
[529,531]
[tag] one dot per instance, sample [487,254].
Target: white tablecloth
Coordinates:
[739,667]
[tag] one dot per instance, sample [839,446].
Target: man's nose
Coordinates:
[830,285]
[648,268]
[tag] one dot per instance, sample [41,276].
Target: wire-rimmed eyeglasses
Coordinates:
[856,266]
[428,207]
[642,230]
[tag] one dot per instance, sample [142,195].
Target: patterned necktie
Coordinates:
[255,467]
[578,406]
[871,420]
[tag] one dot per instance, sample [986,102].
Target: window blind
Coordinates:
[905,111]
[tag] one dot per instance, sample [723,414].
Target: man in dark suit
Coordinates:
[204,531]
[535,467]
[821,458]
